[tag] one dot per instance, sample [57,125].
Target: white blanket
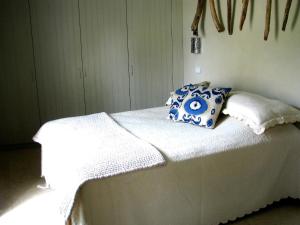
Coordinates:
[89,147]
[181,141]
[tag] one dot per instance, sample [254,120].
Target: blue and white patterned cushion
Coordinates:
[200,106]
[177,97]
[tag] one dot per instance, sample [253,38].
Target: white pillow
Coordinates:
[258,112]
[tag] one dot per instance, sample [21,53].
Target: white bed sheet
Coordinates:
[202,185]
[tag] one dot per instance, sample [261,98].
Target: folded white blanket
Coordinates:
[89,147]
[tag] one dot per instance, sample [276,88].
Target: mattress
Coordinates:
[211,176]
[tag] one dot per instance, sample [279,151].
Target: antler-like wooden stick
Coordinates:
[197,17]
[69,221]
[268,17]
[244,13]
[286,13]
[218,24]
[229,17]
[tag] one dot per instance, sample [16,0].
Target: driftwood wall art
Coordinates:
[244,13]
[229,17]
[268,19]
[217,21]
[286,13]
[195,40]
[197,17]
[219,25]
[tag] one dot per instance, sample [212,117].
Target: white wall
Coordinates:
[244,60]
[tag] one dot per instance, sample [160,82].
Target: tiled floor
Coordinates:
[21,202]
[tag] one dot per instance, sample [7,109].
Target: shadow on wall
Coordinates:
[296,15]
[252,2]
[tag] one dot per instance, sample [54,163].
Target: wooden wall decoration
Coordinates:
[268,19]
[216,19]
[229,17]
[218,22]
[286,14]
[244,13]
[197,17]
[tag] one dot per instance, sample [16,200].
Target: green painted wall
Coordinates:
[244,60]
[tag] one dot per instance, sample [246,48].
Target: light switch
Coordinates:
[198,70]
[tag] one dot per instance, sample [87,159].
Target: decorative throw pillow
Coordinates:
[258,112]
[201,106]
[177,96]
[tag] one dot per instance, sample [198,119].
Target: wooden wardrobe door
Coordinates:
[177,39]
[105,56]
[57,49]
[19,107]
[150,52]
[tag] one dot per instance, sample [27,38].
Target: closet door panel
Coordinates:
[18,108]
[150,51]
[57,48]
[177,39]
[105,55]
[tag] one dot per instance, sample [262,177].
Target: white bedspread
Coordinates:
[89,147]
[238,172]
[181,141]
[206,179]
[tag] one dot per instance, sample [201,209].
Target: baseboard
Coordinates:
[31,145]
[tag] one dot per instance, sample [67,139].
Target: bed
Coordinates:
[209,175]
